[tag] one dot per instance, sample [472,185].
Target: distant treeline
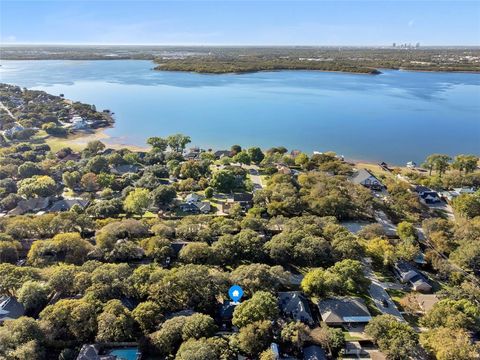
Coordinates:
[248,59]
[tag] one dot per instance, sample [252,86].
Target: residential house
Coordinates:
[225,314]
[189,208]
[294,305]
[221,153]
[244,199]
[367,179]
[204,207]
[283,169]
[10,309]
[407,273]
[30,206]
[344,311]
[450,195]
[67,204]
[193,204]
[78,123]
[314,352]
[125,169]
[13,130]
[193,198]
[192,154]
[427,195]
[426,301]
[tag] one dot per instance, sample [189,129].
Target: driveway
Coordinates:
[388,226]
[378,293]
[255,177]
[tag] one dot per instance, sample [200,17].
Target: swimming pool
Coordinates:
[130,353]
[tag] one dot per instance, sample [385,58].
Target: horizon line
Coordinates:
[226,45]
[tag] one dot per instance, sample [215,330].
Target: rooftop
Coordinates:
[344,310]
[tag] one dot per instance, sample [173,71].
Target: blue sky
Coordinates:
[358,22]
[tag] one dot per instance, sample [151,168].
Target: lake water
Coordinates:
[394,117]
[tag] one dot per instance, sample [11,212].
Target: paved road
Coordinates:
[255,177]
[378,294]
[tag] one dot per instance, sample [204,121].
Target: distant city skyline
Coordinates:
[255,23]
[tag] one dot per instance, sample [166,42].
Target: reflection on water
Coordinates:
[396,116]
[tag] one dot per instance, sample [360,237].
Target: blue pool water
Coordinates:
[394,117]
[125,353]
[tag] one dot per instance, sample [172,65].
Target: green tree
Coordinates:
[243,158]
[209,192]
[256,154]
[196,253]
[255,337]
[69,319]
[178,142]
[158,143]
[9,251]
[33,295]
[21,339]
[235,149]
[329,338]
[148,315]
[157,248]
[115,323]
[448,344]
[301,160]
[467,205]
[262,306]
[71,178]
[223,181]
[29,169]
[168,338]
[12,277]
[295,334]
[258,277]
[454,314]
[467,163]
[37,186]
[98,164]
[163,195]
[397,340]
[198,326]
[93,148]
[437,162]
[406,231]
[137,201]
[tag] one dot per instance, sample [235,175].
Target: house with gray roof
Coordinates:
[367,179]
[30,206]
[293,304]
[407,273]
[125,169]
[10,309]
[67,204]
[342,311]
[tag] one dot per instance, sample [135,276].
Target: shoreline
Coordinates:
[376,71]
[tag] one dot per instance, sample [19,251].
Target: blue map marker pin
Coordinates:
[235,293]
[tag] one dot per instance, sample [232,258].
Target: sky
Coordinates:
[247,22]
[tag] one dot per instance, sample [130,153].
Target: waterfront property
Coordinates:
[359,116]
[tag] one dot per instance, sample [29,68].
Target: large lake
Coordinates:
[394,117]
